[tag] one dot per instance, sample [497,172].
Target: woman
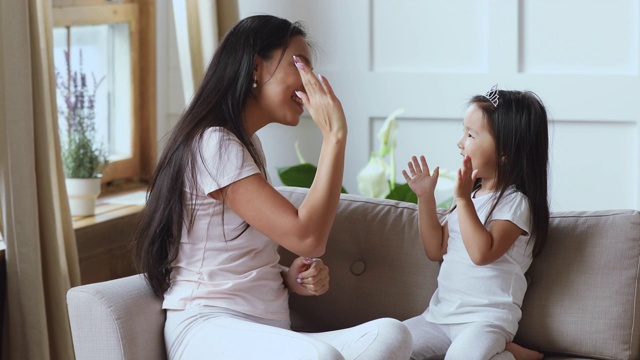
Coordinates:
[207,239]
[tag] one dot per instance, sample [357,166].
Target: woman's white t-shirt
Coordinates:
[217,263]
[493,293]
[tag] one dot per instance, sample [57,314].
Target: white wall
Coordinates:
[430,57]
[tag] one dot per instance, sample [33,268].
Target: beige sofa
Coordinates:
[583,301]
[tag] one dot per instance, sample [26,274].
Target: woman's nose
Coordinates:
[459,143]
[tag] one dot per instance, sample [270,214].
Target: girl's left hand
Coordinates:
[466,178]
[308,276]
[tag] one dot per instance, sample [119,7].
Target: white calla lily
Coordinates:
[298,153]
[387,135]
[373,180]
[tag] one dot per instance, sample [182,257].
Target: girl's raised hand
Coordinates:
[466,178]
[323,105]
[421,181]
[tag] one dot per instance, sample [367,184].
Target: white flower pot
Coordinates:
[82,195]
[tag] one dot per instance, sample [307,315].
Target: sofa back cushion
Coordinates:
[377,266]
[583,299]
[584,293]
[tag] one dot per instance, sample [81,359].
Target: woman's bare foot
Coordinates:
[521,353]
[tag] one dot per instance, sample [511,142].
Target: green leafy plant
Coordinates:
[377,178]
[300,175]
[82,155]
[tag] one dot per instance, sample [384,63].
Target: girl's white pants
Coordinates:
[470,341]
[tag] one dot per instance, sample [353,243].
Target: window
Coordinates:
[116,42]
[105,53]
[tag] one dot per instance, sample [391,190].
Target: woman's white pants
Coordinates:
[212,333]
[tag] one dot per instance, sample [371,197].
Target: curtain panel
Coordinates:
[199,26]
[41,254]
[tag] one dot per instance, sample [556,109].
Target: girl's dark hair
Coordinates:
[218,102]
[520,130]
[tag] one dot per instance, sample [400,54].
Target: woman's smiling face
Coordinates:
[277,83]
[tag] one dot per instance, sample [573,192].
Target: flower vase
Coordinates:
[82,195]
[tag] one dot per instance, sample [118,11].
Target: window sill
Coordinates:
[112,207]
[108,207]
[104,239]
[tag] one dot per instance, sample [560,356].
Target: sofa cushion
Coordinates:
[583,300]
[583,296]
[375,251]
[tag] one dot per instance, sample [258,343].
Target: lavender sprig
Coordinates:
[82,157]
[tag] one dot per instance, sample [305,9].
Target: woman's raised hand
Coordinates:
[323,105]
[420,180]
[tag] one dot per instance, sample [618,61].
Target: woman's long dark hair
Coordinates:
[520,130]
[218,102]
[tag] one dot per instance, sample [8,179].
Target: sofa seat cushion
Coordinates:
[583,296]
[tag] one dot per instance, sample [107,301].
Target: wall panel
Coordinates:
[429,57]
[420,36]
[593,164]
[599,38]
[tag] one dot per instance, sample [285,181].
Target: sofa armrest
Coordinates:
[117,319]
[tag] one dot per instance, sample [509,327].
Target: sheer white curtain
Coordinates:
[41,255]
[199,25]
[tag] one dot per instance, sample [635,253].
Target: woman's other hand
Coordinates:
[323,105]
[307,276]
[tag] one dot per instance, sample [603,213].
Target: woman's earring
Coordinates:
[255,83]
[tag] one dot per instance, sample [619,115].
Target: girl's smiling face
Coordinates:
[277,82]
[477,142]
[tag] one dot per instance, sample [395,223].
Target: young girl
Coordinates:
[208,236]
[486,243]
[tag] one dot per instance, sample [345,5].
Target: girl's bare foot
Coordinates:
[521,353]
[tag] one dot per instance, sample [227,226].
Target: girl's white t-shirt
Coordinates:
[493,293]
[218,264]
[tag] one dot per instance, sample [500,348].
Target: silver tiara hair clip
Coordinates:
[492,95]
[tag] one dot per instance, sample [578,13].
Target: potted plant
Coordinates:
[83,157]
[377,178]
